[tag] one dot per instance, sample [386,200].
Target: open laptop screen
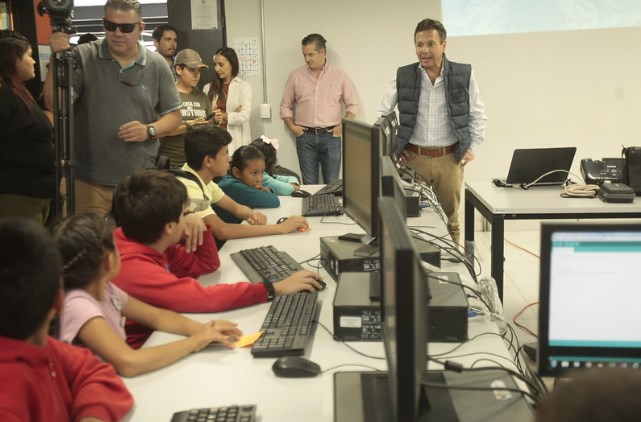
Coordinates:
[529,164]
[590,296]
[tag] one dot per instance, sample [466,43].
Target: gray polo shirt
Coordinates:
[108,96]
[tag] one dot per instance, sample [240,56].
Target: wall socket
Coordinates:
[265,111]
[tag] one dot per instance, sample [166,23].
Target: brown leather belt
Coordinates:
[431,152]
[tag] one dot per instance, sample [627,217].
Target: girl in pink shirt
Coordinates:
[95,309]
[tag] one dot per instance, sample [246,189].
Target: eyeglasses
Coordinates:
[125,28]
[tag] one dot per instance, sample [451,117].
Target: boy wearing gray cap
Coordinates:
[195,105]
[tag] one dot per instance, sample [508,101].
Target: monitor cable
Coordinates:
[347,345]
[526,186]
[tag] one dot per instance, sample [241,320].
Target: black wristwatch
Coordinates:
[151,131]
[271,293]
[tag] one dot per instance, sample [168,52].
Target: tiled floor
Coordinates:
[521,276]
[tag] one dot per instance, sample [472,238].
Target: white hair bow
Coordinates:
[273,142]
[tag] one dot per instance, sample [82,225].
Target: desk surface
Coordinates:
[542,200]
[218,377]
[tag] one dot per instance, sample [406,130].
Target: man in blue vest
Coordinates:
[441,117]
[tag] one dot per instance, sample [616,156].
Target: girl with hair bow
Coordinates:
[273,178]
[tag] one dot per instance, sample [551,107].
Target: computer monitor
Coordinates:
[404,300]
[404,312]
[389,126]
[409,392]
[361,174]
[589,309]
[391,183]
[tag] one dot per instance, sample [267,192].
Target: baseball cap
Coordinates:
[189,58]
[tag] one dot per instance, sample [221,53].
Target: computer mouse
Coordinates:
[323,285]
[295,367]
[280,220]
[301,194]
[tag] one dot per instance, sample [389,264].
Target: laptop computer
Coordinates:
[531,163]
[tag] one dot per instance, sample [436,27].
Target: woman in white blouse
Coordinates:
[231,97]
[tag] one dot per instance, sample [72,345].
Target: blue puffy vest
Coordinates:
[457,83]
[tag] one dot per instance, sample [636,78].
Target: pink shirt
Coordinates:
[80,307]
[317,101]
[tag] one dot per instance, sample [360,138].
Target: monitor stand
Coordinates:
[352,405]
[435,404]
[369,248]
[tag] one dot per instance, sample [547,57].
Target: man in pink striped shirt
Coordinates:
[312,109]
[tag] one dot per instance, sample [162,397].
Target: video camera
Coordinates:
[59,12]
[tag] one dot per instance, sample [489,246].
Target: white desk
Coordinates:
[537,203]
[218,377]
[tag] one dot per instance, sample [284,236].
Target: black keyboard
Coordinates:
[287,326]
[244,413]
[335,188]
[265,263]
[320,205]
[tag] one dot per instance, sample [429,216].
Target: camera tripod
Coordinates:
[62,67]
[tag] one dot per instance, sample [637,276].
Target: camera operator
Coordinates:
[124,99]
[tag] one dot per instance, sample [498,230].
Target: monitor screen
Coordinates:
[389,125]
[589,309]
[404,298]
[392,185]
[361,178]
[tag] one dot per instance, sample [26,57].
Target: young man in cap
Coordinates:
[195,105]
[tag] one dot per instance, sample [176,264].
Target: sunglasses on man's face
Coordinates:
[125,28]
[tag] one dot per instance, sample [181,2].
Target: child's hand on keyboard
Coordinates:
[302,280]
[295,222]
[221,331]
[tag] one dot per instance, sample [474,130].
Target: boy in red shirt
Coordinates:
[150,208]
[42,378]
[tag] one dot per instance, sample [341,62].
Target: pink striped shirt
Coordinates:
[316,102]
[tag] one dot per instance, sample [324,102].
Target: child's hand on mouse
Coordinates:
[295,222]
[299,281]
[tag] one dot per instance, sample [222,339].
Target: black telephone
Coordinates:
[607,170]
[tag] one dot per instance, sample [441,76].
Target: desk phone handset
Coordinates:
[606,170]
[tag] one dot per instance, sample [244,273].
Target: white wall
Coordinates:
[579,88]
[367,39]
[576,88]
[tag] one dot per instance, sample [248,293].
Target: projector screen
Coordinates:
[485,17]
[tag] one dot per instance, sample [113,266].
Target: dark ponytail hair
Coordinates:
[84,240]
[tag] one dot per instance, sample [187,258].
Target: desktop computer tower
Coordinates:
[357,314]
[337,256]
[412,203]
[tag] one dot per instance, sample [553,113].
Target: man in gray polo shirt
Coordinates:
[124,99]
